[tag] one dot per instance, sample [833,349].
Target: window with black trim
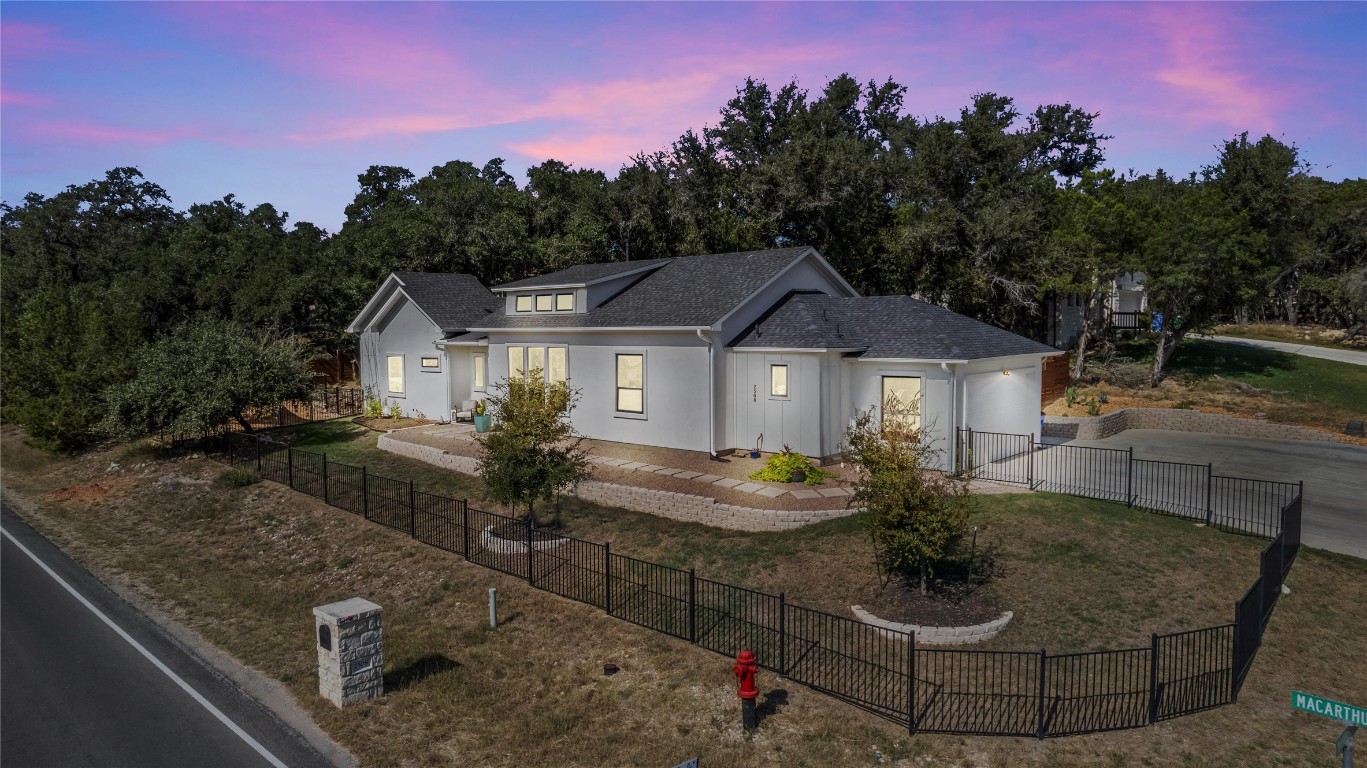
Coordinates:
[543,302]
[778,380]
[523,303]
[564,302]
[429,363]
[631,383]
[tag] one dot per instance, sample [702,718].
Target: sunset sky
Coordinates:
[287,102]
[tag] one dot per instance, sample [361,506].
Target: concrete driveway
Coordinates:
[1305,350]
[1334,512]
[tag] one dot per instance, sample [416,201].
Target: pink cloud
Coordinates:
[21,40]
[606,152]
[19,99]
[92,134]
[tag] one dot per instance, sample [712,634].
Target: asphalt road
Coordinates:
[78,692]
[1334,511]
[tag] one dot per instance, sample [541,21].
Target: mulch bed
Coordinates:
[948,603]
[384,424]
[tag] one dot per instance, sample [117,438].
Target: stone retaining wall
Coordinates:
[1175,419]
[938,635]
[676,506]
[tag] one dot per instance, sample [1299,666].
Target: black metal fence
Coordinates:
[931,690]
[1172,488]
[323,403]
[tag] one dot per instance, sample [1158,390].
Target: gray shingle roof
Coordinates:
[582,274]
[452,300]
[690,291]
[885,326]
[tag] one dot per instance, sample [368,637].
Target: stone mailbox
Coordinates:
[350,651]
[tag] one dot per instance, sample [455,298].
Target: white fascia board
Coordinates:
[534,288]
[598,329]
[476,343]
[382,297]
[792,350]
[935,360]
[395,294]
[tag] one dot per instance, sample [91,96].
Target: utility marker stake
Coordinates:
[493,608]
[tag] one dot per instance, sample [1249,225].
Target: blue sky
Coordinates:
[287,102]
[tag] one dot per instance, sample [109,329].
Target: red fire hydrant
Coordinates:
[745,670]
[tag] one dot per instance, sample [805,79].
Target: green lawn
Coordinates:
[1137,567]
[1299,389]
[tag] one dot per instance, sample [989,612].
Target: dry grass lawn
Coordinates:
[244,567]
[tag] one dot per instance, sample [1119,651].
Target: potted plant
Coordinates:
[483,420]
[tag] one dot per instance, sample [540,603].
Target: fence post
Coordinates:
[911,683]
[1153,678]
[1030,462]
[692,606]
[289,458]
[1129,479]
[607,577]
[782,635]
[325,480]
[257,440]
[1210,480]
[365,494]
[1043,664]
[465,528]
[530,561]
[1234,655]
[412,511]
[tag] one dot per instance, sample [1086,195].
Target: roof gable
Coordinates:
[582,275]
[884,327]
[452,301]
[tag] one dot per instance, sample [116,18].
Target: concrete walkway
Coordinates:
[1324,353]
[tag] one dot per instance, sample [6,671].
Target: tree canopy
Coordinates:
[990,212]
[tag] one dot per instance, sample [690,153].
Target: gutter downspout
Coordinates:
[952,435]
[711,396]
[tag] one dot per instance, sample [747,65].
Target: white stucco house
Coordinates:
[704,353]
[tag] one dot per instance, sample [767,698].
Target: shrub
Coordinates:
[236,477]
[1093,406]
[395,411]
[782,465]
[1070,396]
[374,409]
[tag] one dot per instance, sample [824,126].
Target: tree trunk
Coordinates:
[1093,326]
[246,427]
[924,579]
[1167,344]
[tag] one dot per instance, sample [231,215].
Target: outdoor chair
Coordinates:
[466,411]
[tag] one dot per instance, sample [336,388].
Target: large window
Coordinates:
[564,302]
[902,402]
[557,365]
[478,372]
[516,363]
[536,360]
[523,303]
[394,366]
[778,380]
[631,383]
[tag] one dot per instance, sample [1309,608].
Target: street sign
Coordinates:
[1319,705]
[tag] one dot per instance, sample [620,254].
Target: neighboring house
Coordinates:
[1123,303]
[706,353]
